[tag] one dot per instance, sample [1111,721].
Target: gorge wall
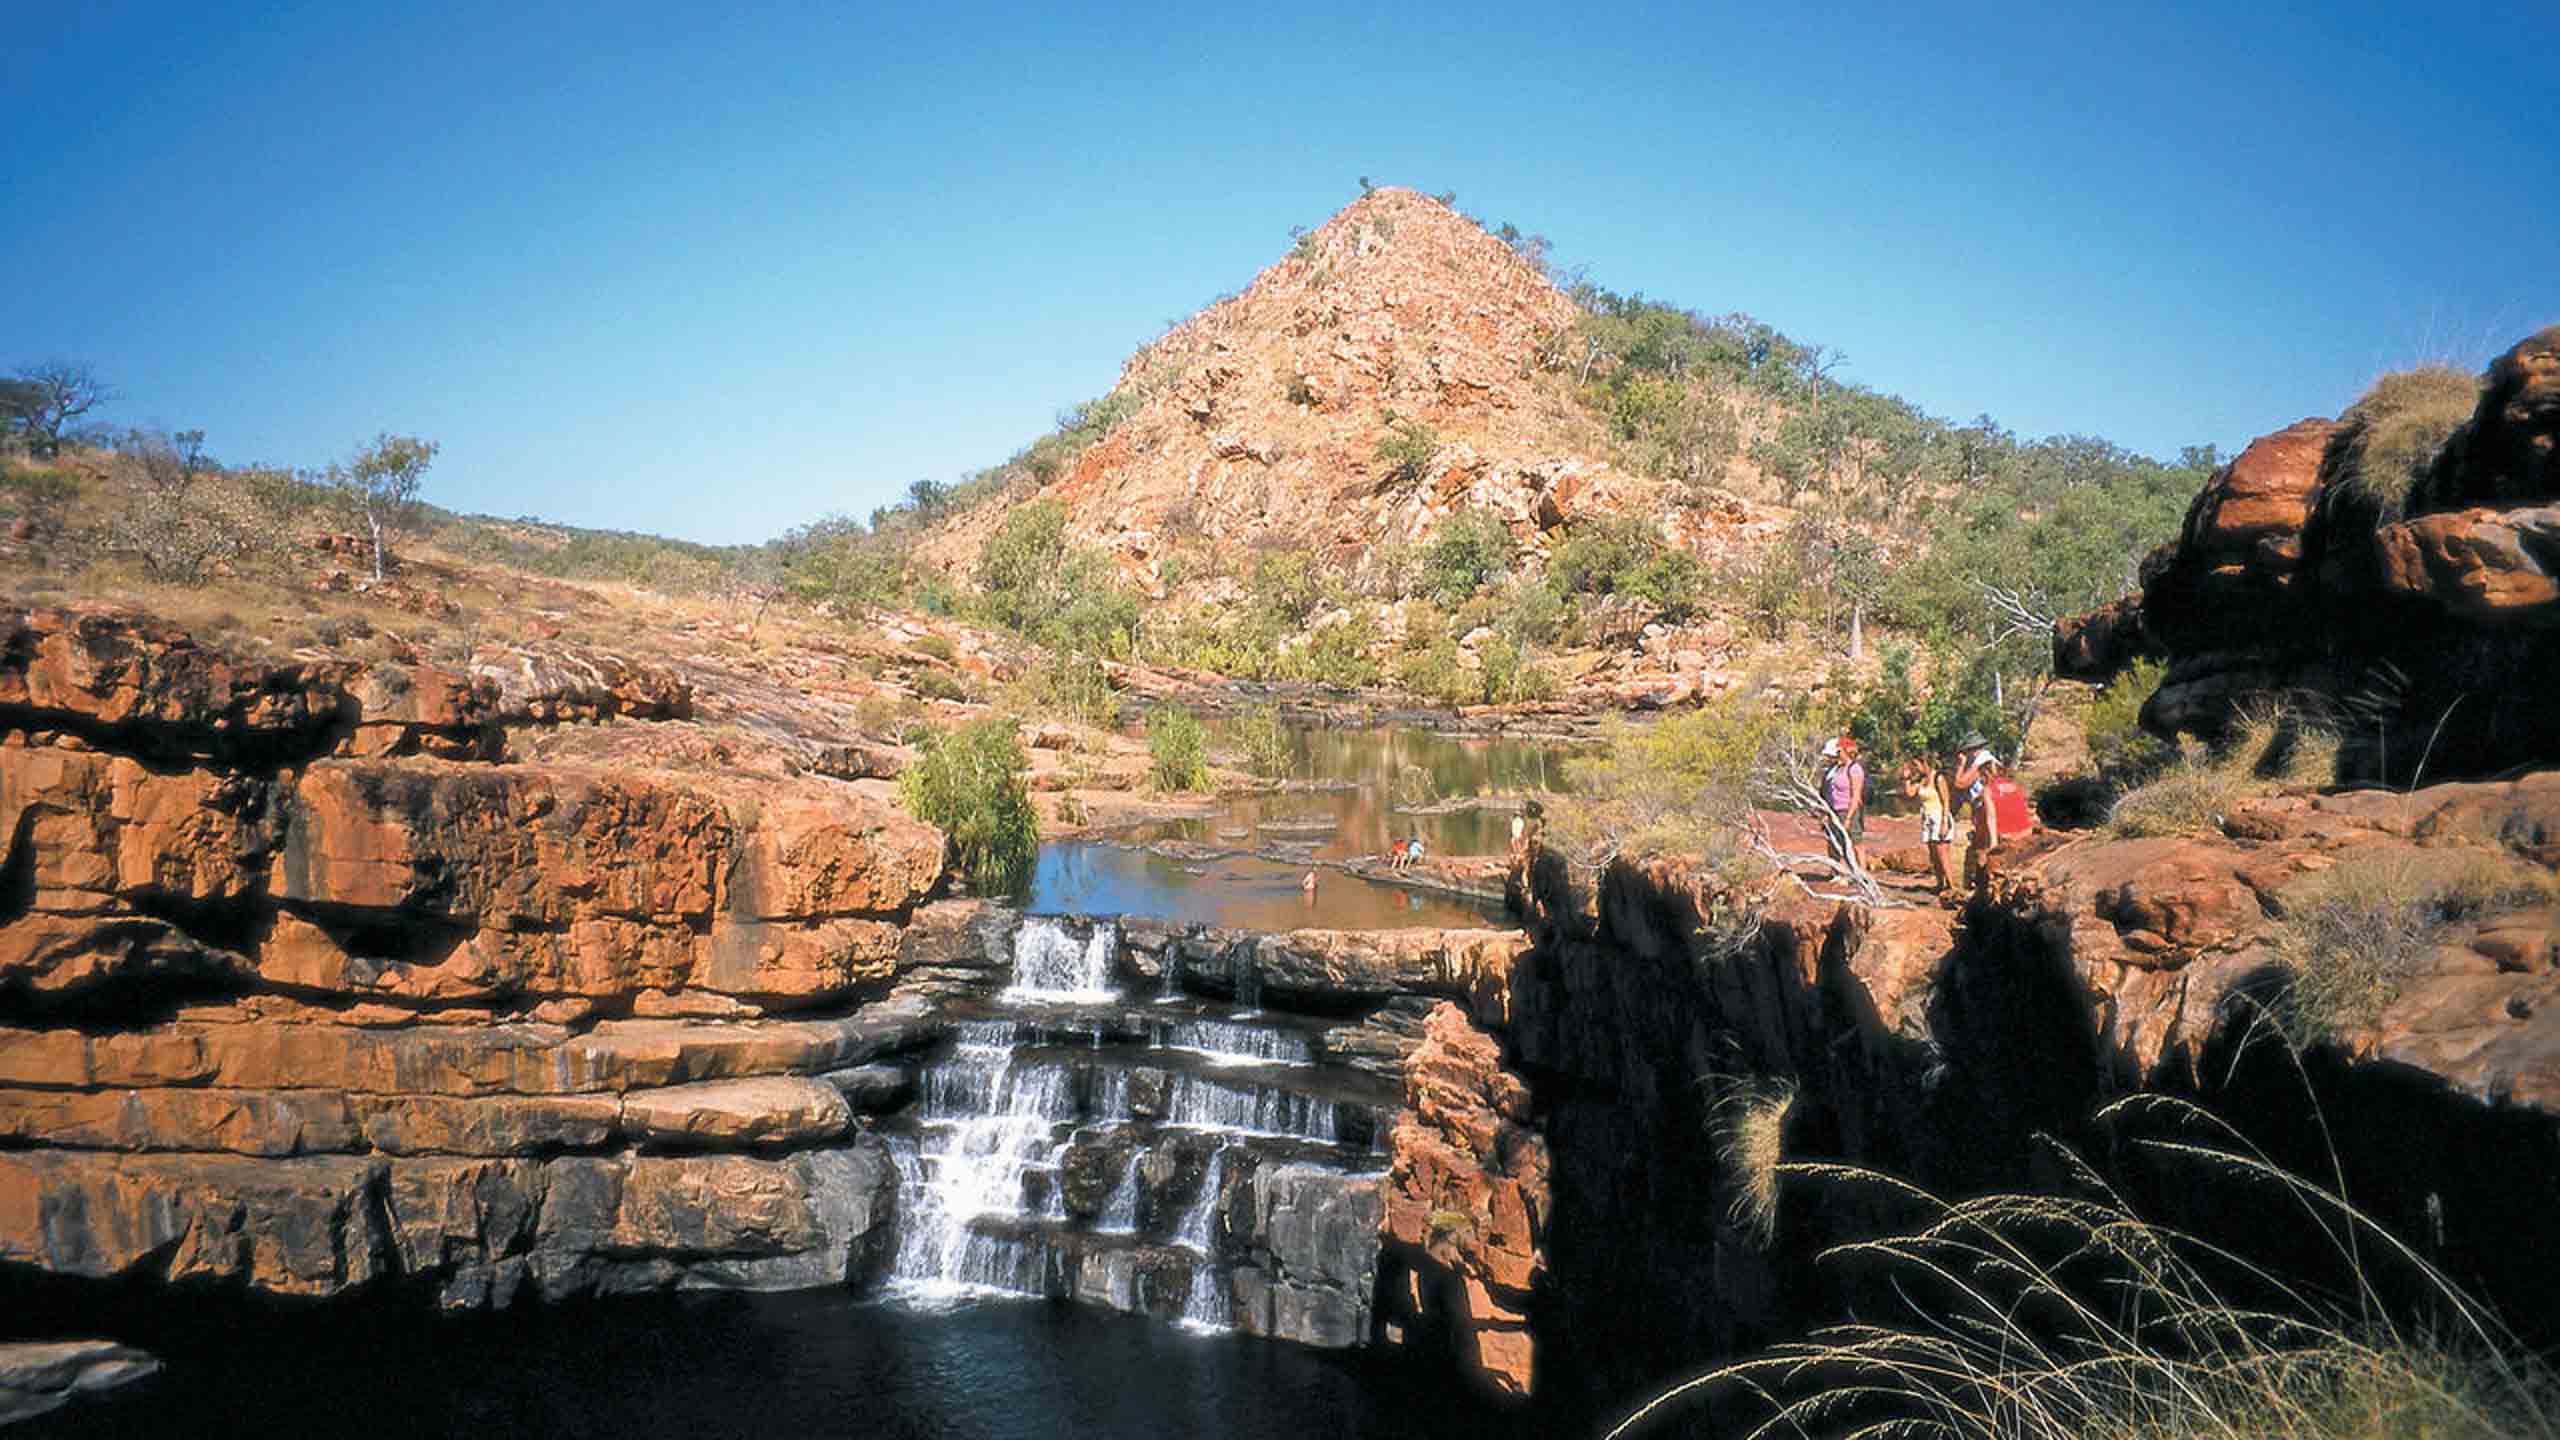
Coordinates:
[303,987]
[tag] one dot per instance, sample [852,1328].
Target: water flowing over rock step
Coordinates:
[1171,1087]
[1265,1244]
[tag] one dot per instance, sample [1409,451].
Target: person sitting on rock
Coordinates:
[1395,855]
[1412,849]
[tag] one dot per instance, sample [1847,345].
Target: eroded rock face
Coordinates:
[39,1377]
[303,990]
[1467,1206]
[2437,629]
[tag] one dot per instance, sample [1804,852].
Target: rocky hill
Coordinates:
[1258,420]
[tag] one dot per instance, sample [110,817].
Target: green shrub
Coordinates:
[1074,685]
[1264,741]
[1336,654]
[2353,935]
[939,685]
[2118,745]
[969,783]
[1474,549]
[1436,673]
[38,486]
[1289,583]
[1178,747]
[1532,612]
[2388,438]
[937,647]
[1508,672]
[1407,449]
[1675,784]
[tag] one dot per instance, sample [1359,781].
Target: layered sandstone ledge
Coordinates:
[302,988]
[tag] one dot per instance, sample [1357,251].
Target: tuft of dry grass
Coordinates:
[2355,934]
[1751,1138]
[2070,1317]
[2391,435]
[2271,744]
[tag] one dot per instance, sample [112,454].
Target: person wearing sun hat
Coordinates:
[1844,790]
[1972,781]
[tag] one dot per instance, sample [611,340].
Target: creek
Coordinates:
[1349,794]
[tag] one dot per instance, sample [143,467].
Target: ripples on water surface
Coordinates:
[787,1367]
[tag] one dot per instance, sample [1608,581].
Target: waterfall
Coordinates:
[1207,1307]
[982,1150]
[1051,963]
[1230,1043]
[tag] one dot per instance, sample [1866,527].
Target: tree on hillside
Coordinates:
[48,397]
[380,485]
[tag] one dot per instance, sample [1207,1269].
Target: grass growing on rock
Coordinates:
[2392,434]
[2355,934]
[2270,745]
[1751,1131]
[1265,744]
[2073,1317]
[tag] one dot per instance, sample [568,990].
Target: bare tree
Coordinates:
[179,519]
[53,395]
[380,485]
[1789,781]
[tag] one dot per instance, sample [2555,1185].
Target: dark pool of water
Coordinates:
[787,1367]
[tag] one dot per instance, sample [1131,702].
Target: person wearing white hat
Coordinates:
[1844,790]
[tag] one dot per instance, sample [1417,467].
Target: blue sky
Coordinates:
[714,270]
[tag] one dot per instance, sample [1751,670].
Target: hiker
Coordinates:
[1974,767]
[1413,849]
[1844,789]
[1395,855]
[1927,783]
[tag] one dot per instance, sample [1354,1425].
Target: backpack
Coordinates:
[2009,807]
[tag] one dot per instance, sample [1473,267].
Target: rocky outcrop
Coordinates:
[1952,1049]
[2430,635]
[304,989]
[1466,1207]
[39,1377]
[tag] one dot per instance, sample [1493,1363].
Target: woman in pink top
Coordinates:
[1844,789]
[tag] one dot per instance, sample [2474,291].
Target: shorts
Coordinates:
[1938,829]
[1857,823]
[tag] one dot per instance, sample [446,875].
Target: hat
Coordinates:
[1831,749]
[1973,740]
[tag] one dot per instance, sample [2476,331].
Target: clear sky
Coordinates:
[712,270]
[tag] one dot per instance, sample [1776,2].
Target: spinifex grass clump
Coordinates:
[2270,744]
[1751,1134]
[2353,935]
[2046,1317]
[2389,437]
[969,783]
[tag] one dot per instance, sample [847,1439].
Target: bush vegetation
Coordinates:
[1264,742]
[1407,449]
[969,782]
[1177,749]
[2118,745]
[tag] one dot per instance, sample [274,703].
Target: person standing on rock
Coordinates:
[1972,780]
[1844,789]
[1927,783]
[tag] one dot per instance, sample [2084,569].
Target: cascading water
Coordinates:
[1001,1189]
[1051,963]
[1206,1306]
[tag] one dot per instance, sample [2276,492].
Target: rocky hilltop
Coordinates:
[1257,421]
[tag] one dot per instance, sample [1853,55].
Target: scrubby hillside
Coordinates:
[1392,369]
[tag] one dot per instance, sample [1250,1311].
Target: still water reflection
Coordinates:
[1352,794]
